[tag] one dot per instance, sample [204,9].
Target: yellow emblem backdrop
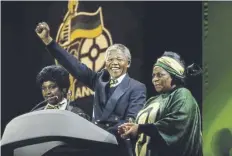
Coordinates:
[83,35]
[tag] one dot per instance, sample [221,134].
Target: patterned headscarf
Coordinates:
[171,65]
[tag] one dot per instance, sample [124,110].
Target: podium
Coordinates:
[55,132]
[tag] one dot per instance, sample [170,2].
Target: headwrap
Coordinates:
[176,68]
[171,65]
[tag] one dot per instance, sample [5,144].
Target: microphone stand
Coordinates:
[68,98]
[43,103]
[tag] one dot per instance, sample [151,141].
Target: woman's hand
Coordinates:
[128,129]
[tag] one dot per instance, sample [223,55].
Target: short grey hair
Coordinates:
[121,48]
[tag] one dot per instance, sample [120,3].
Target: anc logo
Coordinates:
[83,35]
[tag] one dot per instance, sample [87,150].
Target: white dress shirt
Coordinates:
[62,104]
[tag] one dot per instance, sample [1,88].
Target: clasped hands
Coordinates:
[127,130]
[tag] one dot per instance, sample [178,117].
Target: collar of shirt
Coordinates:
[63,104]
[119,80]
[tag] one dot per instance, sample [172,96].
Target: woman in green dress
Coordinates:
[170,123]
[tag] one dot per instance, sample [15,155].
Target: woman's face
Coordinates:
[161,79]
[49,90]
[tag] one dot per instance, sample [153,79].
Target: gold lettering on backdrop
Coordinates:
[84,36]
[83,92]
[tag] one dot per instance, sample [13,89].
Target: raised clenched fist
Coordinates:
[43,31]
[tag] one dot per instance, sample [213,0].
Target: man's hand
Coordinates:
[128,129]
[43,31]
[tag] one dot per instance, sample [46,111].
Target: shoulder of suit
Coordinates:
[136,83]
[75,108]
[74,105]
[103,71]
[103,75]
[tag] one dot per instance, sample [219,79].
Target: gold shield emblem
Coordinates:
[83,35]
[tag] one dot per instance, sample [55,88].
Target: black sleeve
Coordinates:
[77,69]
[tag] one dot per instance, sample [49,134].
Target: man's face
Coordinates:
[50,89]
[116,63]
[161,79]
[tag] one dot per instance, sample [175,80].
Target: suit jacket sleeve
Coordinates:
[78,70]
[136,102]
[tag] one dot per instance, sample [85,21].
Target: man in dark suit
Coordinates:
[54,83]
[118,98]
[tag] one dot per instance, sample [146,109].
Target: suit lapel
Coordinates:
[112,102]
[105,77]
[103,92]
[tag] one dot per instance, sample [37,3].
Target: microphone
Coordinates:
[42,102]
[69,94]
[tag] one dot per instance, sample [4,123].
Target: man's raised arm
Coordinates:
[78,70]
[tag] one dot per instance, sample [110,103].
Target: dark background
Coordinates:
[146,28]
